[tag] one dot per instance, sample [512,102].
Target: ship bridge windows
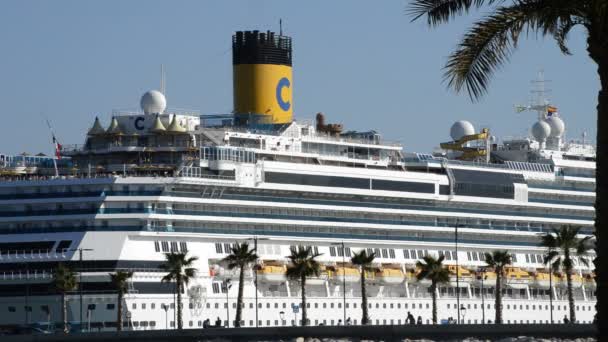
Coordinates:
[348,182]
[301,248]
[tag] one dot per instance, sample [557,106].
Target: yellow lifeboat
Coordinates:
[390,274]
[321,279]
[464,275]
[577,280]
[413,274]
[489,278]
[589,280]
[516,278]
[346,273]
[272,272]
[542,279]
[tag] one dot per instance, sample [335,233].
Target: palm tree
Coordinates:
[489,44]
[498,260]
[120,281]
[180,270]
[240,257]
[303,265]
[64,281]
[433,270]
[561,244]
[364,262]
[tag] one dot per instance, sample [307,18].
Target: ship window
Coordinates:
[156,246]
[384,253]
[370,251]
[173,247]
[380,184]
[347,249]
[475,256]
[332,251]
[527,258]
[165,246]
[391,252]
[454,255]
[420,255]
[12,309]
[340,251]
[218,248]
[109,306]
[314,180]
[216,287]
[183,247]
[227,248]
[377,251]
[406,254]
[468,255]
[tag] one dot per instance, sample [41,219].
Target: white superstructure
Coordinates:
[159,180]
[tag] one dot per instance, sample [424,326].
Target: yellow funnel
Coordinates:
[262,78]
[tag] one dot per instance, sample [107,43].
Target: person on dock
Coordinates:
[410,318]
[566,320]
[419,321]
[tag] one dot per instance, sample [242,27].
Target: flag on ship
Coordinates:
[57,147]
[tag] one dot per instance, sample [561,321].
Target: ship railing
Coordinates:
[199,172]
[176,111]
[123,143]
[349,140]
[44,274]
[32,254]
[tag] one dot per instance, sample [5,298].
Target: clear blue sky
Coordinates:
[362,63]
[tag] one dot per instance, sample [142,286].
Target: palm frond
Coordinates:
[491,41]
[441,11]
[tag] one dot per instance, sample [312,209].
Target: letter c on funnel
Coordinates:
[283,82]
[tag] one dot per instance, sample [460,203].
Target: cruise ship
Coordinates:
[158,180]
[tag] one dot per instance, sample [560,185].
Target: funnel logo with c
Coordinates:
[283,82]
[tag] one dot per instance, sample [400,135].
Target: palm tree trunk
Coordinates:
[498,304]
[434,297]
[570,295]
[239,298]
[119,313]
[598,51]
[179,304]
[365,315]
[64,312]
[304,318]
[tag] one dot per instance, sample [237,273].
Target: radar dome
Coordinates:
[153,102]
[541,130]
[460,129]
[557,126]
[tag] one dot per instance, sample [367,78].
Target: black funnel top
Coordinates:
[253,47]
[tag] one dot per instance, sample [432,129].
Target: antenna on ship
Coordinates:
[56,146]
[541,104]
[280,27]
[162,79]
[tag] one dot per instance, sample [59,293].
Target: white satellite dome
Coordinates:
[460,129]
[153,102]
[541,130]
[557,126]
